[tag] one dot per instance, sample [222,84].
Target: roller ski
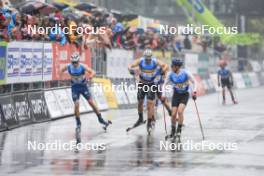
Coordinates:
[137,124]
[104,123]
[172,135]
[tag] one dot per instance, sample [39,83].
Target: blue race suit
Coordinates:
[225,76]
[180,81]
[181,88]
[148,70]
[78,82]
[147,76]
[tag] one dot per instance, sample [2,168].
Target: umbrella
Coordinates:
[60,6]
[30,7]
[117,14]
[85,6]
[129,17]
[72,16]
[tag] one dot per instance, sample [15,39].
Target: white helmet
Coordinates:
[75,57]
[147,53]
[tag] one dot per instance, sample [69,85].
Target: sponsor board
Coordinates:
[47,62]
[13,63]
[39,110]
[21,107]
[8,110]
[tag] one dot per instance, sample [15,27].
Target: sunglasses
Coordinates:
[74,62]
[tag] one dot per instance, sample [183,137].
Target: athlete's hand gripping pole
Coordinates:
[199,119]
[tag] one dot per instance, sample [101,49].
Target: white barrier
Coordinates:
[121,97]
[254,79]
[53,106]
[239,81]
[64,101]
[99,97]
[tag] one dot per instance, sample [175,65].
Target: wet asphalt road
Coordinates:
[136,153]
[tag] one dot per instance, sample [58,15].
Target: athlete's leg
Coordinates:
[181,109]
[140,97]
[223,93]
[77,112]
[75,98]
[150,108]
[140,109]
[88,97]
[232,95]
[173,120]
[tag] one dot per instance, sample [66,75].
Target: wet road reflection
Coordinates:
[136,153]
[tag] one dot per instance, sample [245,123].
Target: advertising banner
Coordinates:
[61,57]
[13,62]
[22,110]
[37,65]
[39,110]
[117,61]
[9,111]
[26,64]
[108,91]
[2,62]
[47,62]
[53,106]
[64,101]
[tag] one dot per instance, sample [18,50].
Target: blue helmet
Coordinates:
[176,62]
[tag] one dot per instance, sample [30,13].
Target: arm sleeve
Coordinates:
[193,81]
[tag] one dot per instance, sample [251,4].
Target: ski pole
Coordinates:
[200,123]
[164,120]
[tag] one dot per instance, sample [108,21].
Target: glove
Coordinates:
[194,96]
[219,85]
[232,84]
[132,72]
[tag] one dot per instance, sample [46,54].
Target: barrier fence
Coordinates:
[39,63]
